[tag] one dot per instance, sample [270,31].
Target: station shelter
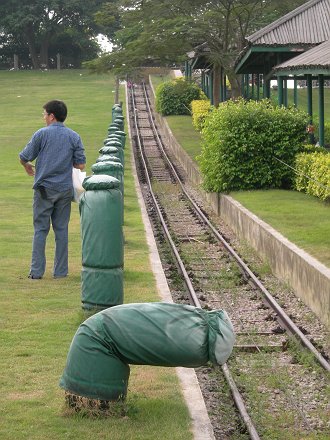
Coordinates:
[289,48]
[265,55]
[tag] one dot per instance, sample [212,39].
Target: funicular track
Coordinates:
[216,277]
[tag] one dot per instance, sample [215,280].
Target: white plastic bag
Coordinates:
[78,177]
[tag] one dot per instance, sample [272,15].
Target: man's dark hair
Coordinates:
[57,108]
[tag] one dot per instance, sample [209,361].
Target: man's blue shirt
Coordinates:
[56,148]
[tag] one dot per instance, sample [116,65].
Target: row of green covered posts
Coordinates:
[102,212]
[97,368]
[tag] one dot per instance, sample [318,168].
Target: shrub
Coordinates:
[310,148]
[200,109]
[303,167]
[326,132]
[250,145]
[313,174]
[174,97]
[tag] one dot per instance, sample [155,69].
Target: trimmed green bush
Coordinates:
[174,97]
[313,174]
[251,145]
[303,166]
[200,108]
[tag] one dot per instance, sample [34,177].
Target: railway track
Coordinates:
[268,353]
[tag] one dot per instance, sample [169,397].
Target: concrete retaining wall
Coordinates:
[308,277]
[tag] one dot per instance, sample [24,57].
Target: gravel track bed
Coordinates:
[287,394]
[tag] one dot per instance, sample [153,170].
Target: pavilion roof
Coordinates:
[308,24]
[315,60]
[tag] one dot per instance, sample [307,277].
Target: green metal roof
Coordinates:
[315,61]
[297,31]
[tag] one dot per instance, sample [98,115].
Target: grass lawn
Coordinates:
[39,318]
[301,218]
[186,135]
[158,79]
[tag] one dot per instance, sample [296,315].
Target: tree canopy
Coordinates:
[37,25]
[160,32]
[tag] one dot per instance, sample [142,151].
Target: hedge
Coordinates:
[200,109]
[313,174]
[251,145]
[174,97]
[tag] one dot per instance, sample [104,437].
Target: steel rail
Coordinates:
[230,380]
[282,317]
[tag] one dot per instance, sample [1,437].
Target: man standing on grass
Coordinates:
[57,149]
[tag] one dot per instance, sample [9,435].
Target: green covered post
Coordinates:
[120,120]
[101,213]
[116,144]
[159,334]
[114,169]
[321,110]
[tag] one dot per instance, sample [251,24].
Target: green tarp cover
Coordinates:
[94,183]
[107,158]
[113,143]
[101,288]
[108,165]
[145,334]
[113,136]
[114,125]
[101,214]
[112,150]
[110,168]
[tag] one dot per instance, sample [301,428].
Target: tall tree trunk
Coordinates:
[216,85]
[235,82]
[32,47]
[44,60]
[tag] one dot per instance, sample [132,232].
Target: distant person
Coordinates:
[56,149]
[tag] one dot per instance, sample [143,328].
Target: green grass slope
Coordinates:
[39,318]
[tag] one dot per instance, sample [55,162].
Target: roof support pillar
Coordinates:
[321,110]
[203,81]
[295,91]
[266,88]
[243,86]
[211,87]
[280,90]
[310,104]
[252,86]
[285,92]
[258,87]
[247,86]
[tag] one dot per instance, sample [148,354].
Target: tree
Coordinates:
[39,22]
[162,31]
